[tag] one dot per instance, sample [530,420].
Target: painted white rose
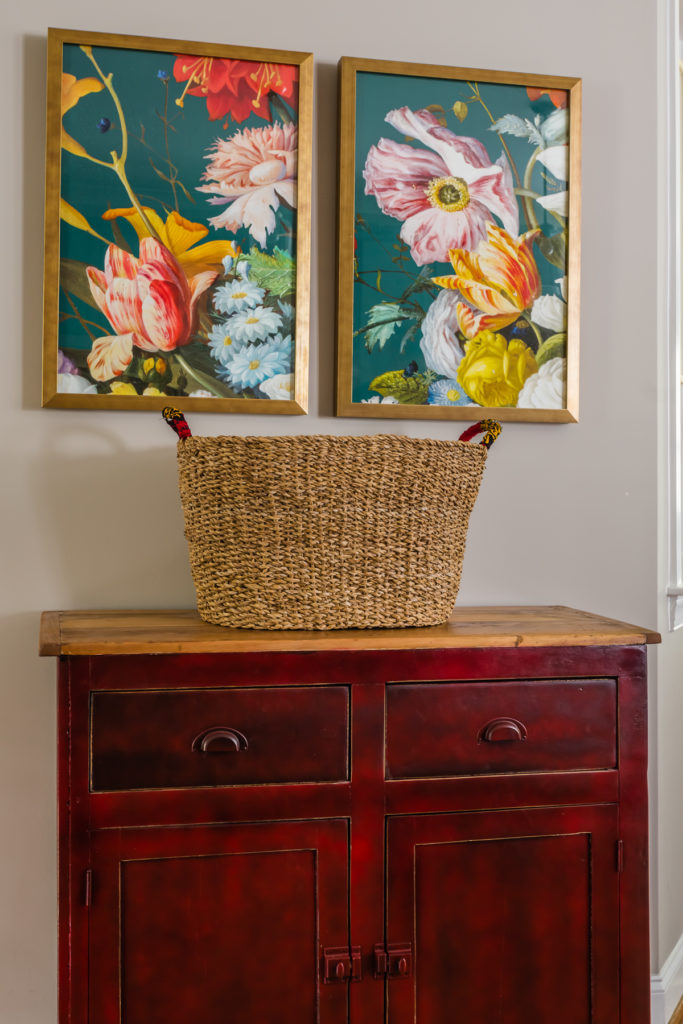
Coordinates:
[439,341]
[280,387]
[72,384]
[550,312]
[376,400]
[556,159]
[545,389]
[556,202]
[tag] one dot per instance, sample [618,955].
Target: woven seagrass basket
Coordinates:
[327,532]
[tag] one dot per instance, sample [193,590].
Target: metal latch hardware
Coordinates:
[341,963]
[394,961]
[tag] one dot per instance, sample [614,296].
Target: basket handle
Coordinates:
[489,428]
[176,421]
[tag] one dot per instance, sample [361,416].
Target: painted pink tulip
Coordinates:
[445,194]
[149,302]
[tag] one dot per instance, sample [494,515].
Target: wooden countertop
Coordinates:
[183,632]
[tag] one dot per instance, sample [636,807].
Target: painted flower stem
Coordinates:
[171,166]
[529,322]
[533,223]
[526,204]
[118,164]
[78,316]
[203,381]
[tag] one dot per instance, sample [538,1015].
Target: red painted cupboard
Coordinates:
[419,825]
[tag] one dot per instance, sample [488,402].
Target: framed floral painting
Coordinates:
[177,235]
[458,260]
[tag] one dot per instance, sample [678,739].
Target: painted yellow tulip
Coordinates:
[181,237]
[498,281]
[493,371]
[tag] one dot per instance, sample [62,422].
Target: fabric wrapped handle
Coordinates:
[177,421]
[489,428]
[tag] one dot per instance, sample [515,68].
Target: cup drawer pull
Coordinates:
[220,740]
[503,730]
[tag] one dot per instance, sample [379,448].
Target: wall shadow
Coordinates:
[111,522]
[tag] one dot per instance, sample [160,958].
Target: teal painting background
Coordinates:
[92,189]
[376,95]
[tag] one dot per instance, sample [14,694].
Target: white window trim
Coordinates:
[670,278]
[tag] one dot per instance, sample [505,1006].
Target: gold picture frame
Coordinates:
[148,300]
[458,217]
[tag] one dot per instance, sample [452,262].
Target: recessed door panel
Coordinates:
[218,924]
[512,917]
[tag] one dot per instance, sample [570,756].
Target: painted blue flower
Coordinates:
[254,324]
[222,345]
[255,363]
[103,125]
[287,311]
[235,296]
[447,392]
[162,75]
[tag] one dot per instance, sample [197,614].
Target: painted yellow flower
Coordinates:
[73,89]
[181,237]
[498,281]
[493,371]
[122,387]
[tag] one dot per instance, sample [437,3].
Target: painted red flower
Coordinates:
[558,97]
[235,87]
[149,302]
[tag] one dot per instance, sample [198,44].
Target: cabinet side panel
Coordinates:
[633,828]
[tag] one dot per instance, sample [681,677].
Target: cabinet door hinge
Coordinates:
[620,855]
[394,961]
[87,888]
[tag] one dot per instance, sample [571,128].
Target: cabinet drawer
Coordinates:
[169,739]
[441,729]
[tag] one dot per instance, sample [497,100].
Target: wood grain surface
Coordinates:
[179,632]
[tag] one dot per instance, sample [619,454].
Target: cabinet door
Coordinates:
[218,923]
[513,917]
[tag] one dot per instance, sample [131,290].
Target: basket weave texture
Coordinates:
[326,532]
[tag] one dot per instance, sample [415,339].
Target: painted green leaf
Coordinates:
[276,273]
[406,390]
[409,336]
[198,367]
[554,347]
[281,110]
[73,279]
[554,248]
[382,322]
[520,127]
[423,282]
[118,235]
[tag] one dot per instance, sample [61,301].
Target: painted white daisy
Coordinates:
[252,325]
[255,363]
[222,345]
[234,296]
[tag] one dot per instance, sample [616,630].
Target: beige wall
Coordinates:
[567,513]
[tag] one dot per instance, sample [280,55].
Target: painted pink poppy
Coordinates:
[445,194]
